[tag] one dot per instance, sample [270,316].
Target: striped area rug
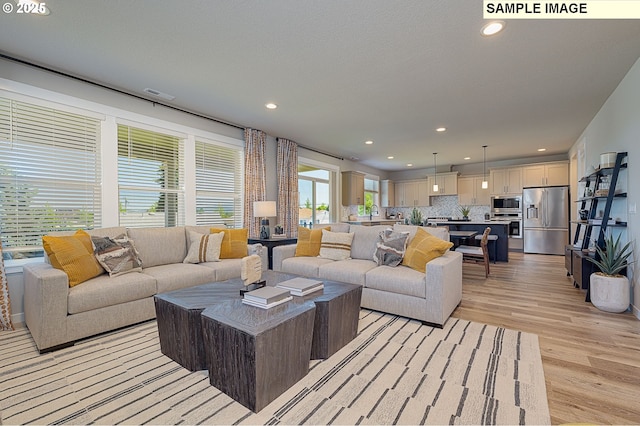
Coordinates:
[396,371]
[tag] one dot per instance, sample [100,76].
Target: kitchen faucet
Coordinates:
[373,206]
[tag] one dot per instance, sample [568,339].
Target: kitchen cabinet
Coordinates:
[470,192]
[546,174]
[447,184]
[505,181]
[387,193]
[352,188]
[412,193]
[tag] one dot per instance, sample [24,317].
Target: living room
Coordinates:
[612,127]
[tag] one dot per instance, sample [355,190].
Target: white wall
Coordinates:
[616,127]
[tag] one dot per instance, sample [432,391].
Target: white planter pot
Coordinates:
[610,294]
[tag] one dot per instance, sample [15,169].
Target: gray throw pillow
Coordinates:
[117,255]
[390,247]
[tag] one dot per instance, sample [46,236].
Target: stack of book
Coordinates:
[301,286]
[266,297]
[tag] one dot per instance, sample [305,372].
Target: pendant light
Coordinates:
[485,183]
[435,173]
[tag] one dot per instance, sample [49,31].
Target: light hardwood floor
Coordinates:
[591,358]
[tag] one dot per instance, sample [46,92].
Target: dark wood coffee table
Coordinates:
[178,316]
[256,354]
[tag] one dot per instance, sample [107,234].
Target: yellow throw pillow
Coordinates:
[73,255]
[234,243]
[423,248]
[309,241]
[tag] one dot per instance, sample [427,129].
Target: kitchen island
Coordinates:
[373,222]
[500,228]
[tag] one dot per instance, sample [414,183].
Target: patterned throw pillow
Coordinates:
[423,248]
[390,247]
[204,247]
[336,245]
[117,255]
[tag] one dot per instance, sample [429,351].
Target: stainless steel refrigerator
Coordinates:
[545,214]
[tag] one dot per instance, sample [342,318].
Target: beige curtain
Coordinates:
[5,303]
[254,176]
[287,164]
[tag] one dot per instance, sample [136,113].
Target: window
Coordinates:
[150,178]
[314,186]
[49,175]
[219,183]
[371,197]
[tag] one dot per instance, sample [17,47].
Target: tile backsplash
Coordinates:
[443,205]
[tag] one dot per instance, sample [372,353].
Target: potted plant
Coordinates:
[465,210]
[416,217]
[609,289]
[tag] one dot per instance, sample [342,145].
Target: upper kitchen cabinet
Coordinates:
[470,192]
[447,184]
[387,193]
[352,188]
[546,174]
[412,193]
[505,181]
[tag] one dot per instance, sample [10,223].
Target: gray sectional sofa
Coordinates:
[57,315]
[430,296]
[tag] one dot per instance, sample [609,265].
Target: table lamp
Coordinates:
[264,209]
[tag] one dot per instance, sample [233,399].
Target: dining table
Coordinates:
[457,237]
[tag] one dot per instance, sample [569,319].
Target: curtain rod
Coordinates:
[103,86]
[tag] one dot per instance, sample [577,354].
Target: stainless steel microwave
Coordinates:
[506,203]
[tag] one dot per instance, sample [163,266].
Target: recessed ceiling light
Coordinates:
[493,27]
[467,158]
[271,105]
[542,149]
[441,129]
[390,157]
[368,143]
[409,165]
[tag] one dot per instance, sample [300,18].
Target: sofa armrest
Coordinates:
[443,281]
[46,291]
[281,253]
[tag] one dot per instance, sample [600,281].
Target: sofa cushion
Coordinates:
[159,246]
[104,291]
[225,269]
[352,271]
[399,280]
[117,255]
[305,266]
[73,254]
[364,241]
[234,243]
[390,247]
[309,241]
[423,248]
[336,245]
[180,275]
[335,227]
[204,247]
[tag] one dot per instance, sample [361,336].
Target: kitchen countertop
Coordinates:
[471,222]
[371,222]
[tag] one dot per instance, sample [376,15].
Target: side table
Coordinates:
[271,243]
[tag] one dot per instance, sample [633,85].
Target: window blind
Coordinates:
[218,185]
[49,175]
[150,178]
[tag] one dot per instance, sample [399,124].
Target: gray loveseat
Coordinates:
[57,314]
[430,296]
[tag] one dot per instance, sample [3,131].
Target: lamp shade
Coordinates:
[264,209]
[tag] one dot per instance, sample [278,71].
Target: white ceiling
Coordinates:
[344,71]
